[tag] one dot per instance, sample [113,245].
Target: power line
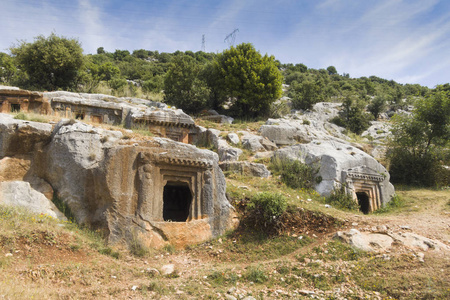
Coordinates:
[231,37]
[203,43]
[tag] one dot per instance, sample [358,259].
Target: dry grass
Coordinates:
[54,260]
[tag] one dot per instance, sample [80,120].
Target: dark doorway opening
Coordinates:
[177,199]
[79,116]
[15,107]
[363,201]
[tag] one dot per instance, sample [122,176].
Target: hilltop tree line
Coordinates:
[239,78]
[243,83]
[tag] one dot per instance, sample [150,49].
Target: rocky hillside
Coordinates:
[131,232]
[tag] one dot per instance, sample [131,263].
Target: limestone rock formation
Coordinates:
[20,193]
[212,137]
[246,168]
[233,138]
[256,143]
[378,131]
[20,137]
[157,191]
[380,242]
[304,127]
[340,163]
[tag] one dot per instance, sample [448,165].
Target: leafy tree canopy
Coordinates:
[183,86]
[51,62]
[420,141]
[250,80]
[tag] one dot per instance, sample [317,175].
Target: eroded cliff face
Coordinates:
[157,191]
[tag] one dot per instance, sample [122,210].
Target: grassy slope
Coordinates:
[43,258]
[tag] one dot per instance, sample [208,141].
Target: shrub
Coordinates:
[341,199]
[294,173]
[396,202]
[137,248]
[256,275]
[265,208]
[21,116]
[411,169]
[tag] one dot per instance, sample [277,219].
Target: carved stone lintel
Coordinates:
[371,177]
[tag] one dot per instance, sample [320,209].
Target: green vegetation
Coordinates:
[50,63]
[265,208]
[341,199]
[251,80]
[420,143]
[294,173]
[396,203]
[183,85]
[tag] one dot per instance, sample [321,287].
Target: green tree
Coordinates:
[7,68]
[353,117]
[420,141]
[304,95]
[51,63]
[332,70]
[121,54]
[377,106]
[101,50]
[250,80]
[183,86]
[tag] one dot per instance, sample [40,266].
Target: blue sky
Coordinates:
[407,41]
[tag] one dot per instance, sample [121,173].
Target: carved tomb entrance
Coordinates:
[365,184]
[177,198]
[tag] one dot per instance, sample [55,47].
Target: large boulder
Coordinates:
[256,143]
[383,241]
[342,164]
[20,193]
[304,127]
[246,168]
[157,191]
[211,137]
[19,137]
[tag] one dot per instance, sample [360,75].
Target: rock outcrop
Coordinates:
[21,137]
[157,191]
[342,164]
[20,193]
[246,168]
[382,241]
[304,127]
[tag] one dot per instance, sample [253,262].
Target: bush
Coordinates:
[339,198]
[396,202]
[265,208]
[294,173]
[410,169]
[137,247]
[256,275]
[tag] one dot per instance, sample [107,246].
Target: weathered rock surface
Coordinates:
[246,168]
[378,131]
[127,188]
[233,138]
[304,127]
[224,150]
[213,116]
[20,137]
[119,185]
[370,242]
[380,242]
[340,163]
[20,193]
[256,143]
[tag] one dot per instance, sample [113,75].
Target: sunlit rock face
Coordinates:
[157,191]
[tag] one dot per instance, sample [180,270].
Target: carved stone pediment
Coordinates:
[364,173]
